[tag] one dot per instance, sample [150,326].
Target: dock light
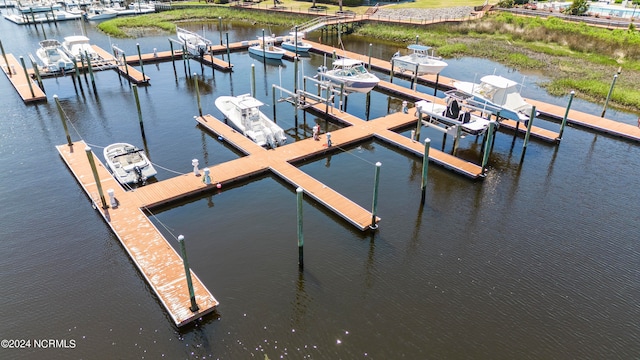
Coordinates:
[112,198]
[206,179]
[196,172]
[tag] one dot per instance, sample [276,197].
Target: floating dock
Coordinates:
[26,87]
[154,257]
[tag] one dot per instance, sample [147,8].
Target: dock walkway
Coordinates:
[26,87]
[154,257]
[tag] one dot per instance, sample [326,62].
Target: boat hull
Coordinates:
[270,52]
[350,85]
[425,65]
[303,47]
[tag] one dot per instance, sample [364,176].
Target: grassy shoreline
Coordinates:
[574,56]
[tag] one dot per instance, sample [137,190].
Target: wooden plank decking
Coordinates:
[156,260]
[15,72]
[129,71]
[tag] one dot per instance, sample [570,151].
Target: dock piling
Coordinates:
[195,83]
[374,207]
[140,59]
[369,64]
[26,74]
[93,80]
[6,62]
[173,61]
[253,80]
[126,67]
[487,146]
[419,124]
[194,307]
[273,96]
[220,28]
[299,195]
[613,83]
[135,94]
[95,176]
[228,50]
[529,123]
[425,168]
[435,86]
[64,121]
[566,116]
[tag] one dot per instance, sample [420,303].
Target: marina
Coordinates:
[431,276]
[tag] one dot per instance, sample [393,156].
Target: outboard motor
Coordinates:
[139,178]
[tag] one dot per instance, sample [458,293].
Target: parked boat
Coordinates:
[266,48]
[38,6]
[100,13]
[128,163]
[53,57]
[77,46]
[196,44]
[496,92]
[245,116]
[351,73]
[427,64]
[296,43]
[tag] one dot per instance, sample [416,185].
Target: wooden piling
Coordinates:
[425,169]
[299,196]
[374,206]
[566,115]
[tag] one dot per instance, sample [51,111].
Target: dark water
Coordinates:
[538,261]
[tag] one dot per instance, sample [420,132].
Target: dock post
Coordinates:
[34,65]
[417,37]
[414,80]
[220,28]
[173,60]
[299,194]
[135,94]
[419,124]
[374,207]
[195,164]
[264,48]
[369,64]
[6,63]
[95,176]
[613,83]
[253,80]
[26,74]
[367,109]
[194,307]
[195,82]
[487,146]
[273,98]
[229,51]
[341,97]
[64,122]
[528,133]
[93,80]
[391,73]
[144,78]
[456,141]
[425,168]
[295,73]
[77,74]
[126,67]
[435,87]
[566,115]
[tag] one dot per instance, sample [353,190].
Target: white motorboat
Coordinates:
[128,163]
[427,64]
[351,73]
[498,93]
[244,114]
[53,57]
[266,48]
[38,6]
[196,44]
[77,46]
[296,43]
[100,13]
[448,117]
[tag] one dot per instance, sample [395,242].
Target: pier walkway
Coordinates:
[154,257]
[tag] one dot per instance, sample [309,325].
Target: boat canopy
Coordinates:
[49,43]
[416,47]
[243,102]
[498,81]
[346,62]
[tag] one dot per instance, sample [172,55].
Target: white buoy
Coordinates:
[196,172]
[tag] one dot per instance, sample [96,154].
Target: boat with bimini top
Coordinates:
[351,73]
[420,58]
[54,58]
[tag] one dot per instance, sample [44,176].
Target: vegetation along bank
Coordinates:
[574,56]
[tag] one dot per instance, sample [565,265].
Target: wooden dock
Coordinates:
[26,87]
[154,257]
[124,69]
